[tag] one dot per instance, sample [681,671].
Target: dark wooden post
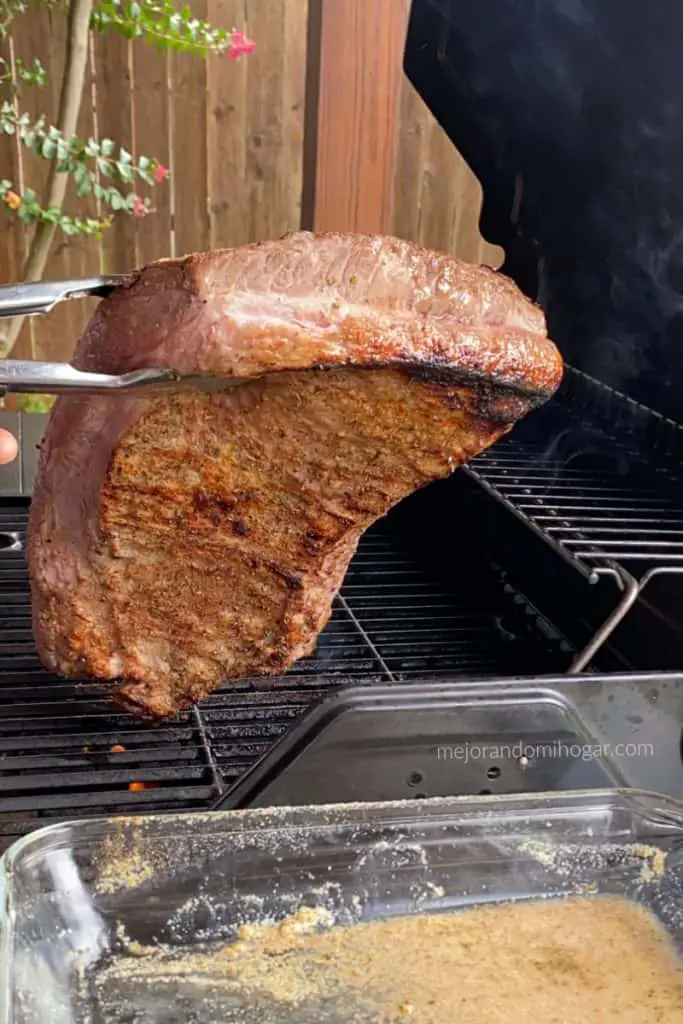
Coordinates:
[361,53]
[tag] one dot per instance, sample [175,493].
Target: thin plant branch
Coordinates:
[73,81]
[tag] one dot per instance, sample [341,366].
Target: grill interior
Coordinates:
[510,568]
[602,491]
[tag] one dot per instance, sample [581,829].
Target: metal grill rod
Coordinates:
[627,584]
[631,591]
[566,507]
[520,514]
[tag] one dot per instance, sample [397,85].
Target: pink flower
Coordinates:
[160,172]
[139,209]
[239,45]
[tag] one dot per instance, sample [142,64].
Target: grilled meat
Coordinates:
[179,542]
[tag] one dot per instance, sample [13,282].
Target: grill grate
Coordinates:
[594,519]
[577,474]
[392,622]
[589,491]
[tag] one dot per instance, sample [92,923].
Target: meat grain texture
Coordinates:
[179,542]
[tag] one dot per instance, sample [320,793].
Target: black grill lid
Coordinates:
[570,112]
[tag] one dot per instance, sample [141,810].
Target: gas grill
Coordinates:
[556,555]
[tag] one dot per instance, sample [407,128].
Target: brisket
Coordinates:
[179,542]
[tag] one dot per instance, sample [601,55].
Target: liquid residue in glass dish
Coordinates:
[556,961]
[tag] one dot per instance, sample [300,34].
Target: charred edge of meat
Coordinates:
[499,406]
[504,402]
[444,375]
[122,697]
[449,376]
[123,283]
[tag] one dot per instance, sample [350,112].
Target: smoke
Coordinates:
[577,447]
[581,102]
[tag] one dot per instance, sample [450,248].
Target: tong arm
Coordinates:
[22,377]
[36,297]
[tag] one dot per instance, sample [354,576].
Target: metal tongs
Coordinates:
[22,377]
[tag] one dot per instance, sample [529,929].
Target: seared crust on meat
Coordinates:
[179,542]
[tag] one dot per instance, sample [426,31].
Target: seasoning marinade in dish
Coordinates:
[558,961]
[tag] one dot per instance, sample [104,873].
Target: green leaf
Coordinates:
[125,172]
[104,166]
[107,147]
[84,187]
[35,403]
[161,24]
[48,149]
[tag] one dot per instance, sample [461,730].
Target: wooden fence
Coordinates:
[320,115]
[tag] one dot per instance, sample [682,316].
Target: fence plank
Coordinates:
[11,230]
[441,195]
[413,142]
[86,252]
[437,197]
[264,123]
[11,237]
[84,249]
[71,256]
[287,196]
[276,86]
[151,131]
[310,123]
[362,44]
[41,32]
[255,123]
[33,36]
[227,134]
[54,334]
[188,153]
[115,121]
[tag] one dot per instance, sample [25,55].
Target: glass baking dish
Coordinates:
[77,897]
